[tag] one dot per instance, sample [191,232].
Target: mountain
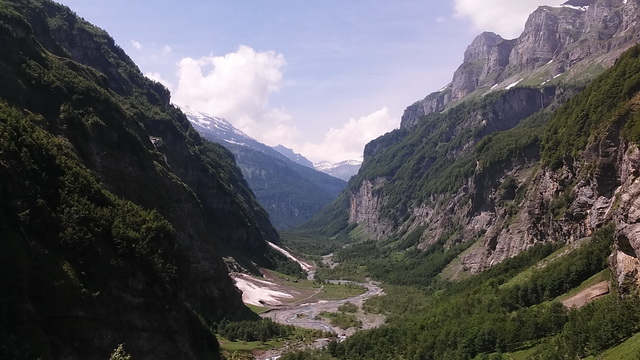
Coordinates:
[290,192]
[343,170]
[221,131]
[490,167]
[295,157]
[115,215]
[569,43]
[487,220]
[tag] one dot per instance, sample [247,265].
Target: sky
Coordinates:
[320,77]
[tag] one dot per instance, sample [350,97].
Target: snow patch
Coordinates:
[581,8]
[327,165]
[510,86]
[304,265]
[236,143]
[255,294]
[208,121]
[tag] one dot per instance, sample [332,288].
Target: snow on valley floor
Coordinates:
[259,292]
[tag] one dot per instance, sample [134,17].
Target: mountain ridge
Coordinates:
[478,172]
[343,169]
[115,213]
[293,156]
[545,54]
[289,191]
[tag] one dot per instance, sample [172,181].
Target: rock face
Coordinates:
[570,42]
[365,206]
[626,214]
[367,201]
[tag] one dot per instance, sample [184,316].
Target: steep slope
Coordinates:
[507,170]
[114,213]
[290,192]
[569,43]
[293,156]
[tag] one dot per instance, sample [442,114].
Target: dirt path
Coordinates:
[592,293]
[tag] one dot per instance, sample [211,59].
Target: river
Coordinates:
[304,315]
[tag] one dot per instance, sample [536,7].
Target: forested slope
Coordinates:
[114,213]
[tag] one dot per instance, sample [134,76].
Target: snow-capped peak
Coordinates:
[327,165]
[343,169]
[211,122]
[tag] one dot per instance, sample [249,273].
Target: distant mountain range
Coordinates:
[293,156]
[343,170]
[285,183]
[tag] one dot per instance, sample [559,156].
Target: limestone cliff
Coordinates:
[513,169]
[565,43]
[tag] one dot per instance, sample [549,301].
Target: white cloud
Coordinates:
[505,17]
[237,87]
[348,141]
[166,50]
[157,77]
[136,44]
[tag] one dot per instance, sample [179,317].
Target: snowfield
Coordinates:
[259,292]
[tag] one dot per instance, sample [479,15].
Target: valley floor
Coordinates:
[307,303]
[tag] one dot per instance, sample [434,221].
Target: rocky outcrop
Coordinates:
[567,205]
[575,41]
[475,66]
[365,206]
[503,112]
[433,103]
[625,260]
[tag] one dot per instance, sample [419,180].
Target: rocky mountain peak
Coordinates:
[480,48]
[575,40]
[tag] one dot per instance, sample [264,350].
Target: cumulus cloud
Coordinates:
[237,86]
[136,44]
[505,17]
[348,141]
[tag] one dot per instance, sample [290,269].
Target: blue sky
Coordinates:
[322,77]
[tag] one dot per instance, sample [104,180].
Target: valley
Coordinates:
[306,303]
[501,220]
